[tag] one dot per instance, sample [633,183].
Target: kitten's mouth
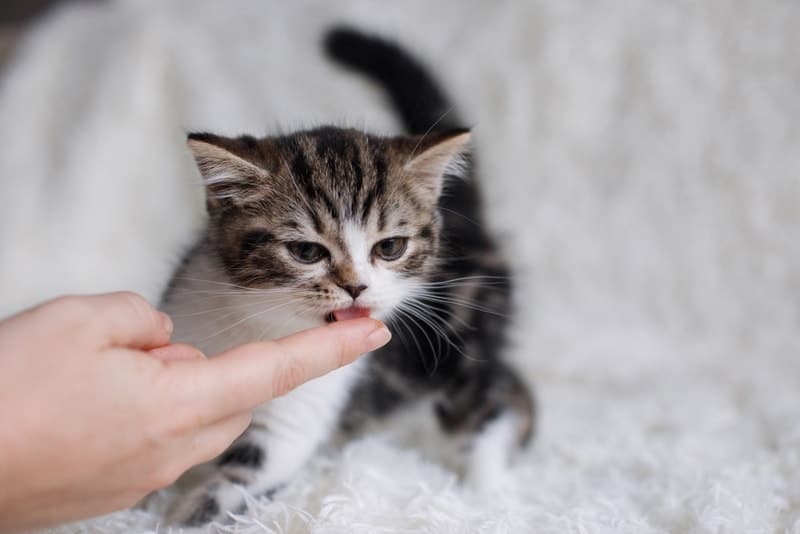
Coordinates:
[353,312]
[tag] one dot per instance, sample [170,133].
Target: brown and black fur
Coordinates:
[317,178]
[468,374]
[266,196]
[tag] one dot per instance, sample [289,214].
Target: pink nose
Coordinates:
[354,291]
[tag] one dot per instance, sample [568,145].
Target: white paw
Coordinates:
[206,503]
[489,462]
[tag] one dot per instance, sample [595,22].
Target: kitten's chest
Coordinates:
[214,315]
[311,410]
[214,332]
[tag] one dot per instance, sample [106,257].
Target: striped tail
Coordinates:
[421,103]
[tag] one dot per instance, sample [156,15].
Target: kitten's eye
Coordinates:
[307,252]
[390,249]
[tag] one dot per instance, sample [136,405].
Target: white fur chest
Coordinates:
[212,315]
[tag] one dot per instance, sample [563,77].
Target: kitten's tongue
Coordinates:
[350,313]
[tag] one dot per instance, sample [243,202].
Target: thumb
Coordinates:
[244,377]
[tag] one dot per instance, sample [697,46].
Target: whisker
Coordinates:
[235,306]
[427,132]
[404,170]
[233,293]
[439,329]
[218,283]
[249,317]
[236,310]
[278,326]
[295,184]
[460,302]
[397,316]
[465,278]
[476,223]
[429,305]
[434,352]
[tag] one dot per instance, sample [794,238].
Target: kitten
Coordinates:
[329,224]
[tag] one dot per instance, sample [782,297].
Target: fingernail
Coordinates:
[378,337]
[166,322]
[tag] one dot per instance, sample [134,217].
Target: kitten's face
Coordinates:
[333,223]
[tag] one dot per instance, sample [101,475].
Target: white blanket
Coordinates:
[641,162]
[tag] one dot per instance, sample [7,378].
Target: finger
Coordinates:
[249,375]
[212,440]
[195,447]
[176,351]
[126,319]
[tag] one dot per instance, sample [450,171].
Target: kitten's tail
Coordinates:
[422,105]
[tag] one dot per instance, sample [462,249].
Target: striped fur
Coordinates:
[320,220]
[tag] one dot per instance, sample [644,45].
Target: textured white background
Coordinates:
[642,165]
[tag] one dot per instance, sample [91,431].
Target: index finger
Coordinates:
[121,319]
[242,378]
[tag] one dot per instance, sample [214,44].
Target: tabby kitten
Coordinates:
[329,224]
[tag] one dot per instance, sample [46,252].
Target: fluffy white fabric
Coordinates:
[641,163]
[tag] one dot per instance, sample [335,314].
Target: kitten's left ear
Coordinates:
[435,156]
[227,175]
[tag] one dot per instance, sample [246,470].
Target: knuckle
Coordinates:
[140,307]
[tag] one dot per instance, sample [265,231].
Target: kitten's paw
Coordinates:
[207,503]
[195,512]
[489,461]
[488,475]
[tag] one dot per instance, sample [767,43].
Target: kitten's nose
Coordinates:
[354,291]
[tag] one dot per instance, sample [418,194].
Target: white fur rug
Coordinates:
[642,163]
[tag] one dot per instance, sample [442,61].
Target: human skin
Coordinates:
[97,409]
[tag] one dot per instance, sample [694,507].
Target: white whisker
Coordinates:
[249,317]
[409,313]
[421,312]
[459,302]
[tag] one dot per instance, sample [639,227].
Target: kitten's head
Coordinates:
[340,220]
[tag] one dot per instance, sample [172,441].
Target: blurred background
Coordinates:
[16,15]
[641,168]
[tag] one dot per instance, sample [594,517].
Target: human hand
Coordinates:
[93,418]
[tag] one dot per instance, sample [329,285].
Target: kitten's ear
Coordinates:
[226,175]
[434,156]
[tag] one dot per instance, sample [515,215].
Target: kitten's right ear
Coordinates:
[227,176]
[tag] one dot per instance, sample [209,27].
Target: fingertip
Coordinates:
[373,333]
[166,323]
[379,337]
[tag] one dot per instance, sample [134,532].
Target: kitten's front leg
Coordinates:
[238,470]
[494,409]
[282,438]
[256,464]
